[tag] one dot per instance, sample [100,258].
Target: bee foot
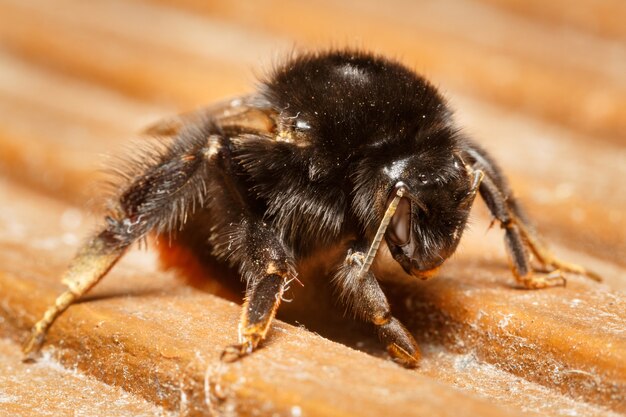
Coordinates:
[559,265]
[235,352]
[403,357]
[538,280]
[31,347]
[401,345]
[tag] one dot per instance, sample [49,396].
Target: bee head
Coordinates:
[431,215]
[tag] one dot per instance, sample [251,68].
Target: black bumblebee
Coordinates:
[340,152]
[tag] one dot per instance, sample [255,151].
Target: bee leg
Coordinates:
[267,267]
[366,300]
[91,263]
[546,258]
[516,248]
[519,235]
[260,306]
[152,201]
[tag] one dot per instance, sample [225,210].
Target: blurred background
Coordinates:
[541,84]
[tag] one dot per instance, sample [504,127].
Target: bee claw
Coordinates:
[237,351]
[31,347]
[232,353]
[539,279]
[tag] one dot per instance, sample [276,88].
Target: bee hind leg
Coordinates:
[90,265]
[155,200]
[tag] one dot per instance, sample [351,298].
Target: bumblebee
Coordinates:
[340,154]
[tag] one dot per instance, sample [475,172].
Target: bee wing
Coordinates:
[246,114]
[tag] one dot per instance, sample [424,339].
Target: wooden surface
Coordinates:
[541,86]
[68,391]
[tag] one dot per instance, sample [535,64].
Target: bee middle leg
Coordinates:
[366,300]
[268,269]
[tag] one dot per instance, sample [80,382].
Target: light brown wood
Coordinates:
[66,390]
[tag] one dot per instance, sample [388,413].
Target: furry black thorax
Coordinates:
[361,123]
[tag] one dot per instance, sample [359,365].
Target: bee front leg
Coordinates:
[514,241]
[519,235]
[268,269]
[520,238]
[366,300]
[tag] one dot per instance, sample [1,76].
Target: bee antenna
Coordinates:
[371,253]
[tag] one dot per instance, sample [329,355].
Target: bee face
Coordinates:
[429,220]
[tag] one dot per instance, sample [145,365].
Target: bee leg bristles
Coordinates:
[160,188]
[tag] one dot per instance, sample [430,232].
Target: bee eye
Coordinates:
[399,230]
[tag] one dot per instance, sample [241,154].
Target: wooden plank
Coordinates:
[486,56]
[556,338]
[60,390]
[145,331]
[134,67]
[67,98]
[601,17]
[544,81]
